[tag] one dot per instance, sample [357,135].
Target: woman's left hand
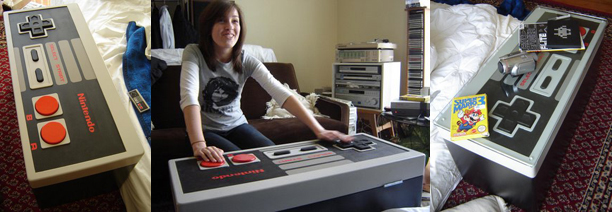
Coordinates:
[332,135]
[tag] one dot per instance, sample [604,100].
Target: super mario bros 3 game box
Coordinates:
[469,117]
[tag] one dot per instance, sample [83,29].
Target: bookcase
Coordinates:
[417,51]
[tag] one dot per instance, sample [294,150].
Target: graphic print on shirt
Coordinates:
[218,94]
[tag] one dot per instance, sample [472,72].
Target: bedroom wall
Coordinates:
[300,32]
[305,33]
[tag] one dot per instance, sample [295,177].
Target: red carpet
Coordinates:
[599,191]
[583,180]
[16,193]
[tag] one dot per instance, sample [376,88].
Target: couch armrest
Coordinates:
[334,109]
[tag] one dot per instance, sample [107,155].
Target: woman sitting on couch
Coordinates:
[212,77]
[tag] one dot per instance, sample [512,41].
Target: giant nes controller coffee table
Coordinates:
[369,174]
[71,119]
[526,114]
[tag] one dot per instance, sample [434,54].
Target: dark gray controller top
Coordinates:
[70,115]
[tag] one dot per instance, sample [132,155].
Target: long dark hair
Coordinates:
[213,12]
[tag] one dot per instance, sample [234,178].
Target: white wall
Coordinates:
[365,20]
[301,32]
[305,32]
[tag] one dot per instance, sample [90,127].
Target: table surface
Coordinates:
[530,154]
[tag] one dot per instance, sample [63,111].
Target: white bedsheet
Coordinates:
[462,39]
[489,203]
[107,21]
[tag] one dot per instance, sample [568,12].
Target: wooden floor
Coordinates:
[604,6]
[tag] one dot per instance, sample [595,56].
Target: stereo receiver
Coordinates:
[367,85]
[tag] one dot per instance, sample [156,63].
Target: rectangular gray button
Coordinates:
[303,157]
[38,73]
[310,162]
[71,66]
[551,75]
[22,84]
[321,166]
[56,63]
[527,78]
[564,85]
[86,68]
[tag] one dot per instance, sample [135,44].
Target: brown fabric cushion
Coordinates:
[285,73]
[165,97]
[170,143]
[282,131]
[254,97]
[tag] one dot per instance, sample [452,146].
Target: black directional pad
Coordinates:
[36,26]
[515,115]
[527,119]
[507,125]
[357,144]
[345,145]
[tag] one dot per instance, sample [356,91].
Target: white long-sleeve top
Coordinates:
[218,93]
[166,29]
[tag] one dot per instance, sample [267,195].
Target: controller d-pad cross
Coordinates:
[514,115]
[357,144]
[36,26]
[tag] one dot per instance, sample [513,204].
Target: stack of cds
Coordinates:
[415,50]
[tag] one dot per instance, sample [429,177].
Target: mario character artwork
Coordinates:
[468,119]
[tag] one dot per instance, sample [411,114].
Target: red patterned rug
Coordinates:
[16,193]
[582,182]
[599,191]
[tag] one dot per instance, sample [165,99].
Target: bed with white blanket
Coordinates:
[462,39]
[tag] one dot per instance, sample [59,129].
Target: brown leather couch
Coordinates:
[280,131]
[167,115]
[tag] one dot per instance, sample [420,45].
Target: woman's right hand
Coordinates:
[207,153]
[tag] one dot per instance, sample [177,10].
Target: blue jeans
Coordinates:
[244,136]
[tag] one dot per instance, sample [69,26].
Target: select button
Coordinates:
[34,55]
[308,148]
[284,152]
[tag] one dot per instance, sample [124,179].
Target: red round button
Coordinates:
[46,105]
[53,133]
[211,164]
[243,158]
